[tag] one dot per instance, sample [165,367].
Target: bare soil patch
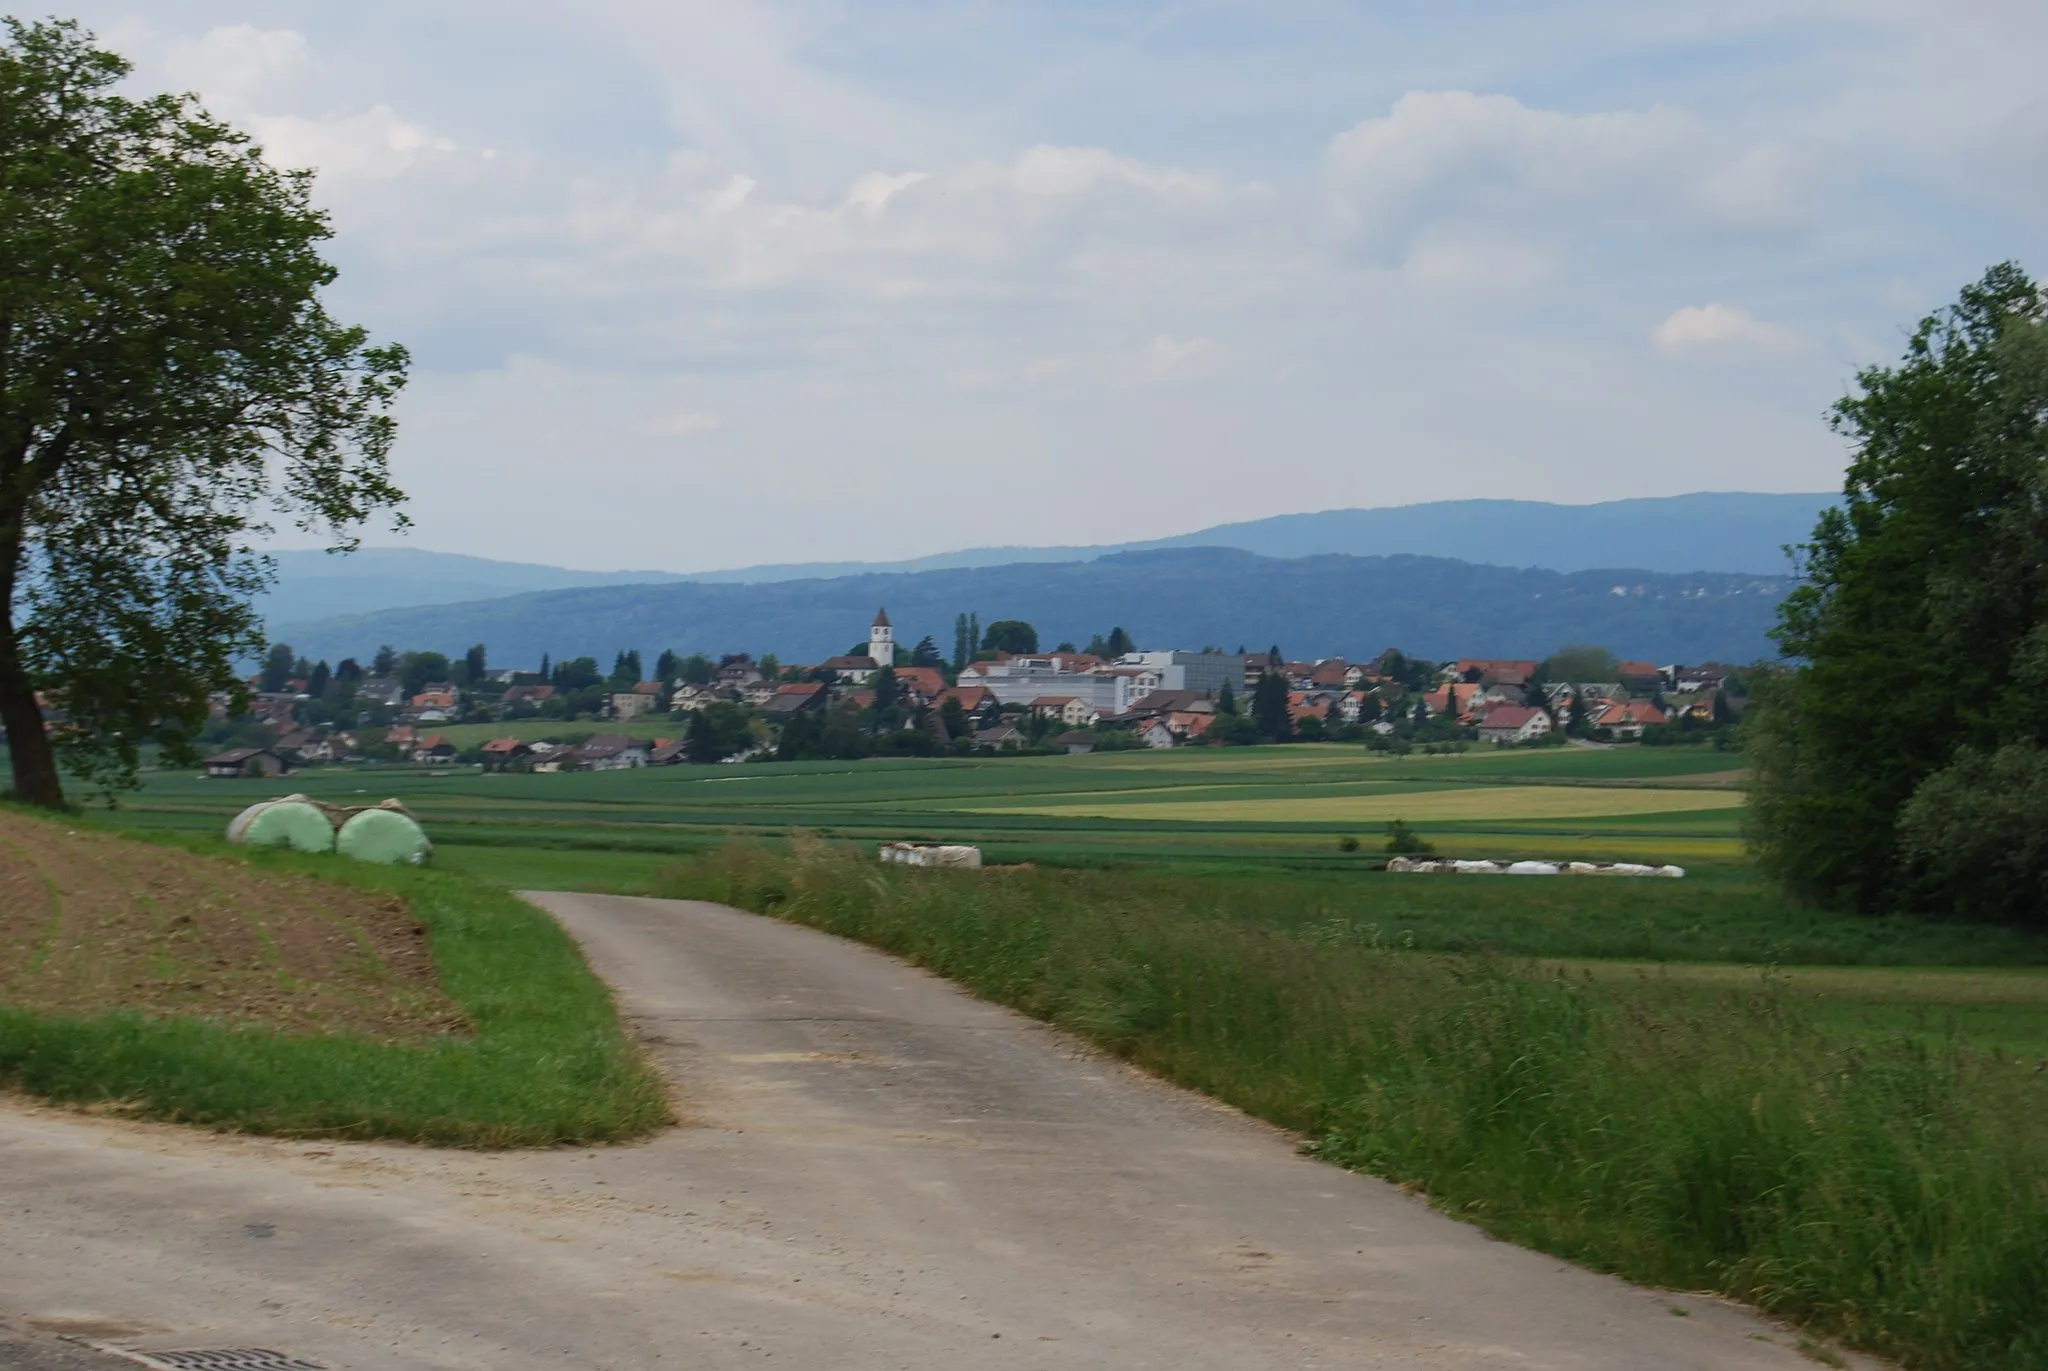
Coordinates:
[92,924]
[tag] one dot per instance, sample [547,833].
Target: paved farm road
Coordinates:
[878,1172]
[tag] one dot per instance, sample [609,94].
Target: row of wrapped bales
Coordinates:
[382,834]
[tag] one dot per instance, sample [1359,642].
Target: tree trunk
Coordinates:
[36,780]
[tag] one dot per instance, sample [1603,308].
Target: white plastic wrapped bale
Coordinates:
[294,822]
[1478,868]
[384,837]
[1533,869]
[953,856]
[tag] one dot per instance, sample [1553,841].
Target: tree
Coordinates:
[1928,580]
[954,717]
[1013,636]
[625,670]
[1119,643]
[1065,645]
[1581,662]
[973,635]
[770,665]
[417,669]
[318,679]
[546,672]
[963,646]
[166,369]
[277,668]
[666,666]
[474,665]
[1270,714]
[926,653]
[575,674]
[385,662]
[1226,700]
[696,669]
[701,742]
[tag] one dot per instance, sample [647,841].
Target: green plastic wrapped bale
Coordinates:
[385,837]
[290,823]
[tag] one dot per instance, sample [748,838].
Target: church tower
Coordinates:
[882,640]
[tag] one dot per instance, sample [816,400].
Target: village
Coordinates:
[999,695]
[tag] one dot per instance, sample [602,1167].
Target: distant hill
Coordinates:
[1182,597]
[1730,531]
[319,585]
[1681,533]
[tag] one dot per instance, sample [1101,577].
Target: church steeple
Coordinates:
[882,640]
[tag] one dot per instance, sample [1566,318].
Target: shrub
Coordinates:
[1403,841]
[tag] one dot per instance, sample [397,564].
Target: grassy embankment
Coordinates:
[290,995]
[1888,1190]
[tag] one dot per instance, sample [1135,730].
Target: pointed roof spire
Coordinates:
[881,618]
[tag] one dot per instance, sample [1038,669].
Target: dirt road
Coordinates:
[877,1171]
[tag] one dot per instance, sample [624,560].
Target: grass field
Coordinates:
[1692,1082]
[306,996]
[1257,805]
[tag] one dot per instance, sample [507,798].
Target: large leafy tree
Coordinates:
[168,381]
[1919,640]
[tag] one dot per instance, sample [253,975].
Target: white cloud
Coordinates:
[1460,157]
[688,425]
[1723,332]
[1171,361]
[239,64]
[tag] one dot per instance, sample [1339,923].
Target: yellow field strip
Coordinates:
[1479,802]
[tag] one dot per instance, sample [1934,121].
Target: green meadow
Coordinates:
[1692,1082]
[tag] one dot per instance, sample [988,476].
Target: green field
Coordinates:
[1258,805]
[1835,1117]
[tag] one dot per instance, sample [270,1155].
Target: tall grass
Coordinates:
[547,1061]
[1890,1194]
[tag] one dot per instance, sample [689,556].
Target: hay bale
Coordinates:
[385,837]
[1533,869]
[291,823]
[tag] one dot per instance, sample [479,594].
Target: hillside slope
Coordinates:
[1179,597]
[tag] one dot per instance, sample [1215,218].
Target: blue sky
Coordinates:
[695,284]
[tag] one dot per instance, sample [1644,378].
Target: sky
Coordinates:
[691,284]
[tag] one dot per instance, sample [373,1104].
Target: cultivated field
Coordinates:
[1255,804]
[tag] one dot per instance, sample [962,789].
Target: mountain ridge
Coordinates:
[1728,532]
[1319,605]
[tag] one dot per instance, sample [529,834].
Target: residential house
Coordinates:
[303,746]
[240,762]
[615,752]
[1628,718]
[380,690]
[795,698]
[506,754]
[1514,724]
[1643,678]
[760,692]
[433,706]
[1000,738]
[1186,725]
[1066,709]
[1158,733]
[921,685]
[631,704]
[526,695]
[401,736]
[1076,742]
[737,670]
[668,752]
[688,699]
[432,749]
[973,698]
[1457,698]
[1495,670]
[1334,674]
[1706,676]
